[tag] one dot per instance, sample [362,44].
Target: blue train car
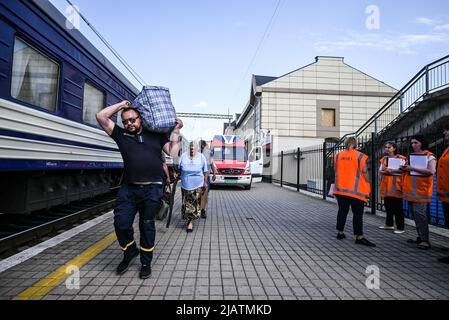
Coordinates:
[52,83]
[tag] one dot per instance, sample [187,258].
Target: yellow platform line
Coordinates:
[43,286]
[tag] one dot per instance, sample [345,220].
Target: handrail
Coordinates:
[401,94]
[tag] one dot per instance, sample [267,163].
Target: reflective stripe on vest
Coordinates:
[357,178]
[414,191]
[391,192]
[352,192]
[443,195]
[393,188]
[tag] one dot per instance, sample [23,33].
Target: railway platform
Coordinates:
[266,243]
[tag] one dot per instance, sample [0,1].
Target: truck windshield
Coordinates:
[229,153]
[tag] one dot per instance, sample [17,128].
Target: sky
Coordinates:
[205,51]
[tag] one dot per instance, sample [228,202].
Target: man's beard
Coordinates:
[136,130]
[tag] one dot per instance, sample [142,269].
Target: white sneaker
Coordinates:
[399,231]
[386,228]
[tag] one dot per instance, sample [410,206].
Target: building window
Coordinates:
[328,117]
[34,77]
[93,102]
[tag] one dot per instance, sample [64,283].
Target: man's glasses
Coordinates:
[130,120]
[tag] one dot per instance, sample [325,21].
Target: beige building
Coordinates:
[327,98]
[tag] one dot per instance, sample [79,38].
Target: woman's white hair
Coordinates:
[196,144]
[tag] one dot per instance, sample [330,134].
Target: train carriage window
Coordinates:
[93,103]
[35,77]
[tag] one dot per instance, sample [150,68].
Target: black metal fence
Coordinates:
[303,174]
[312,169]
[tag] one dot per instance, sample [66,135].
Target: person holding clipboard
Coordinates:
[418,187]
[443,183]
[391,187]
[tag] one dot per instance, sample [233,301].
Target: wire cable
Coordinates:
[259,46]
[109,46]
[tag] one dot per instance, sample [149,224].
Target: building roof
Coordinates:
[261,80]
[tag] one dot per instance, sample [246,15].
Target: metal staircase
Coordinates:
[432,78]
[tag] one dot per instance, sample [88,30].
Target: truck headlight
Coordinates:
[248,170]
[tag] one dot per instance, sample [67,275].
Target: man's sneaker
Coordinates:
[399,231]
[341,236]
[145,272]
[365,242]
[386,228]
[203,214]
[444,260]
[127,260]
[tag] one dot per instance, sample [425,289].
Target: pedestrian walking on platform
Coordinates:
[194,174]
[141,189]
[391,187]
[418,188]
[167,178]
[443,183]
[352,189]
[205,150]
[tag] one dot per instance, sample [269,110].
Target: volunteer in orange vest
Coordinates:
[418,189]
[391,189]
[352,189]
[443,183]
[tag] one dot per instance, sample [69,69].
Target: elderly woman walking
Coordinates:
[193,166]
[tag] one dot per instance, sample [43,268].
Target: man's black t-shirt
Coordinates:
[141,154]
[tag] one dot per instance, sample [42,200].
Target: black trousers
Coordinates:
[446,214]
[147,201]
[394,209]
[357,206]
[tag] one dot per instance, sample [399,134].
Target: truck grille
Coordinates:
[232,171]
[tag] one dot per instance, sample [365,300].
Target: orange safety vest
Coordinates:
[390,185]
[443,177]
[349,179]
[418,188]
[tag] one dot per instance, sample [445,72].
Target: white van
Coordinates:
[256,162]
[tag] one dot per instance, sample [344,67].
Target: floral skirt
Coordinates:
[191,204]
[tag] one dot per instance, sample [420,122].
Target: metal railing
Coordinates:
[432,78]
[301,168]
[304,169]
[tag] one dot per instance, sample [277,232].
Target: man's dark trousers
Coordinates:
[147,200]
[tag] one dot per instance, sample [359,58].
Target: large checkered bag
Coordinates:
[156,109]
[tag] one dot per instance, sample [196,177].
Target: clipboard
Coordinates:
[395,164]
[418,161]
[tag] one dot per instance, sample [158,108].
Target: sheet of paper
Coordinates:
[395,163]
[418,161]
[331,190]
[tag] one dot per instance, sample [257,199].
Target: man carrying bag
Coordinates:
[142,187]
